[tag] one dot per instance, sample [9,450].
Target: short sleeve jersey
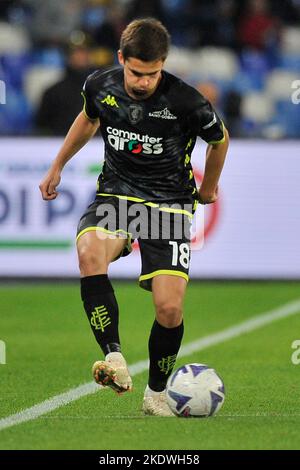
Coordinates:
[148,143]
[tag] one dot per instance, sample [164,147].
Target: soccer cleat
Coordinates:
[113,373]
[155,403]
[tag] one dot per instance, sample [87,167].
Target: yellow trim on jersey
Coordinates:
[213,142]
[119,196]
[171,272]
[175,211]
[84,108]
[150,204]
[102,229]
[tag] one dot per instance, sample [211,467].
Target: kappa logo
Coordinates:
[163,114]
[110,100]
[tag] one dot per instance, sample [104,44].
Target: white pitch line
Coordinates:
[270,414]
[74,394]
[247,326]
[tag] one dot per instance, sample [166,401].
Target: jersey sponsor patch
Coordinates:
[163,114]
[133,142]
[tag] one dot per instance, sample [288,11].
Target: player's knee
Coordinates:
[91,263]
[169,314]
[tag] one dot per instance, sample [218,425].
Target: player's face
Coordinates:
[141,78]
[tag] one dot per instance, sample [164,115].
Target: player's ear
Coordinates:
[120,57]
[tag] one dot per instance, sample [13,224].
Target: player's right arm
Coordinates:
[81,131]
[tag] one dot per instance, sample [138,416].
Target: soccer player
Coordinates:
[149,120]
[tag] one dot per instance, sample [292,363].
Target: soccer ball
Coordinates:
[195,390]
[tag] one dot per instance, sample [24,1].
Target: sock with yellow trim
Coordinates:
[164,344]
[102,310]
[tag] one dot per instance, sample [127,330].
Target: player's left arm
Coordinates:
[215,158]
[204,121]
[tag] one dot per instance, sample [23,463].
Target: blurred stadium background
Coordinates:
[244,56]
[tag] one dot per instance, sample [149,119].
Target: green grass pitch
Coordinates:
[50,350]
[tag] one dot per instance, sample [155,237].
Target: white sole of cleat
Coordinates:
[106,375]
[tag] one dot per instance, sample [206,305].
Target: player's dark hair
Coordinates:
[145,39]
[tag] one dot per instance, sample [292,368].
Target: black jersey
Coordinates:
[148,143]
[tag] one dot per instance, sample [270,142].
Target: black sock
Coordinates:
[102,310]
[164,344]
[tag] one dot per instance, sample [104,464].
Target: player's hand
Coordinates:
[49,184]
[208,197]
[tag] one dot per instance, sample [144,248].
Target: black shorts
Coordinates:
[162,232]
